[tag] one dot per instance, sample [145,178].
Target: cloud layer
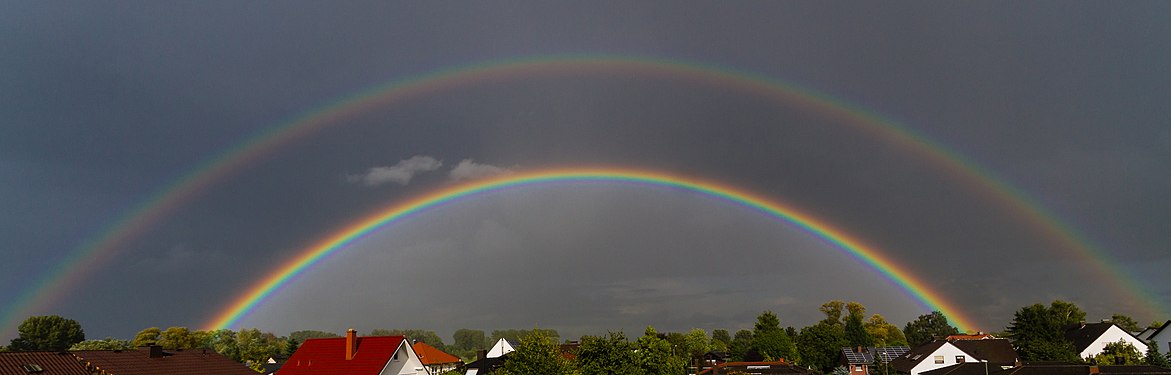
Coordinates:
[400,173]
[468,169]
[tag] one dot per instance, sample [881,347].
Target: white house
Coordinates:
[943,353]
[931,356]
[1161,336]
[501,348]
[1089,339]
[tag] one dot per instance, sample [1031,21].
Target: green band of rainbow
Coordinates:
[339,240]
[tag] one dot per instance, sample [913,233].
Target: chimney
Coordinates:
[351,343]
[481,354]
[156,351]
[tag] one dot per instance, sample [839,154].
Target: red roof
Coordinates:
[328,356]
[171,362]
[50,362]
[432,356]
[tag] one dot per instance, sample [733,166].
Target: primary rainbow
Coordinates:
[339,240]
[96,251]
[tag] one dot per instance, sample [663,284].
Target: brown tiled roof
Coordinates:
[52,363]
[172,362]
[432,356]
[996,351]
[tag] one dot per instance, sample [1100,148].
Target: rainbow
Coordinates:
[98,250]
[355,231]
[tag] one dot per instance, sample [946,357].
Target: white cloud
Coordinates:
[400,173]
[468,170]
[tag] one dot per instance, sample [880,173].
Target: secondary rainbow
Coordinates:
[108,243]
[349,234]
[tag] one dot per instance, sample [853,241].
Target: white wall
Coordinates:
[949,353]
[404,362]
[1164,340]
[501,348]
[1114,334]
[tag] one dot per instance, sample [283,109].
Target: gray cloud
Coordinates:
[400,173]
[468,169]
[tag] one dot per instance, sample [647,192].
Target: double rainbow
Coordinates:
[96,251]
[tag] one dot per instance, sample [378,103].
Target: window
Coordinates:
[857,368]
[939,360]
[959,359]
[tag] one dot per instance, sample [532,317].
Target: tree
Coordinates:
[50,332]
[145,337]
[1155,357]
[820,345]
[833,311]
[256,347]
[469,339]
[291,346]
[609,355]
[413,335]
[885,334]
[223,341]
[856,334]
[1119,353]
[769,341]
[696,343]
[177,338]
[515,335]
[109,343]
[928,327]
[740,344]
[722,336]
[537,354]
[1125,322]
[655,355]
[721,340]
[301,336]
[1038,332]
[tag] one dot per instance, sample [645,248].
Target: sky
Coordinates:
[105,106]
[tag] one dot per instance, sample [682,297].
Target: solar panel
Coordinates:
[855,357]
[889,353]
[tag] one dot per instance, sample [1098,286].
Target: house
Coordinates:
[859,359]
[1048,368]
[501,348]
[485,365]
[977,336]
[273,364]
[1089,339]
[154,360]
[778,367]
[998,352]
[63,363]
[942,353]
[353,355]
[1162,336]
[436,360]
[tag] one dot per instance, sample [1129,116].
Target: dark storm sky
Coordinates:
[105,104]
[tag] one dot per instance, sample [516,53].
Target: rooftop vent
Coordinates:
[32,368]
